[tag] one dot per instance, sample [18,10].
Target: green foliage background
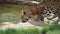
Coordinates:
[11,13]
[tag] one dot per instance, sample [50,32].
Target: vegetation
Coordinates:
[21,31]
[11,13]
[53,32]
[50,29]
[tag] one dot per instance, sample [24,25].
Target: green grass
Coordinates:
[52,29]
[11,13]
[55,29]
[21,31]
[53,32]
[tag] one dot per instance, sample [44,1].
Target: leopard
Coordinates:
[45,8]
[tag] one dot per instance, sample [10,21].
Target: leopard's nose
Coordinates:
[23,21]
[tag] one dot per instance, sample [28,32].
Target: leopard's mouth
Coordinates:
[25,20]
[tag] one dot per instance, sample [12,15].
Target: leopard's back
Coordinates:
[53,2]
